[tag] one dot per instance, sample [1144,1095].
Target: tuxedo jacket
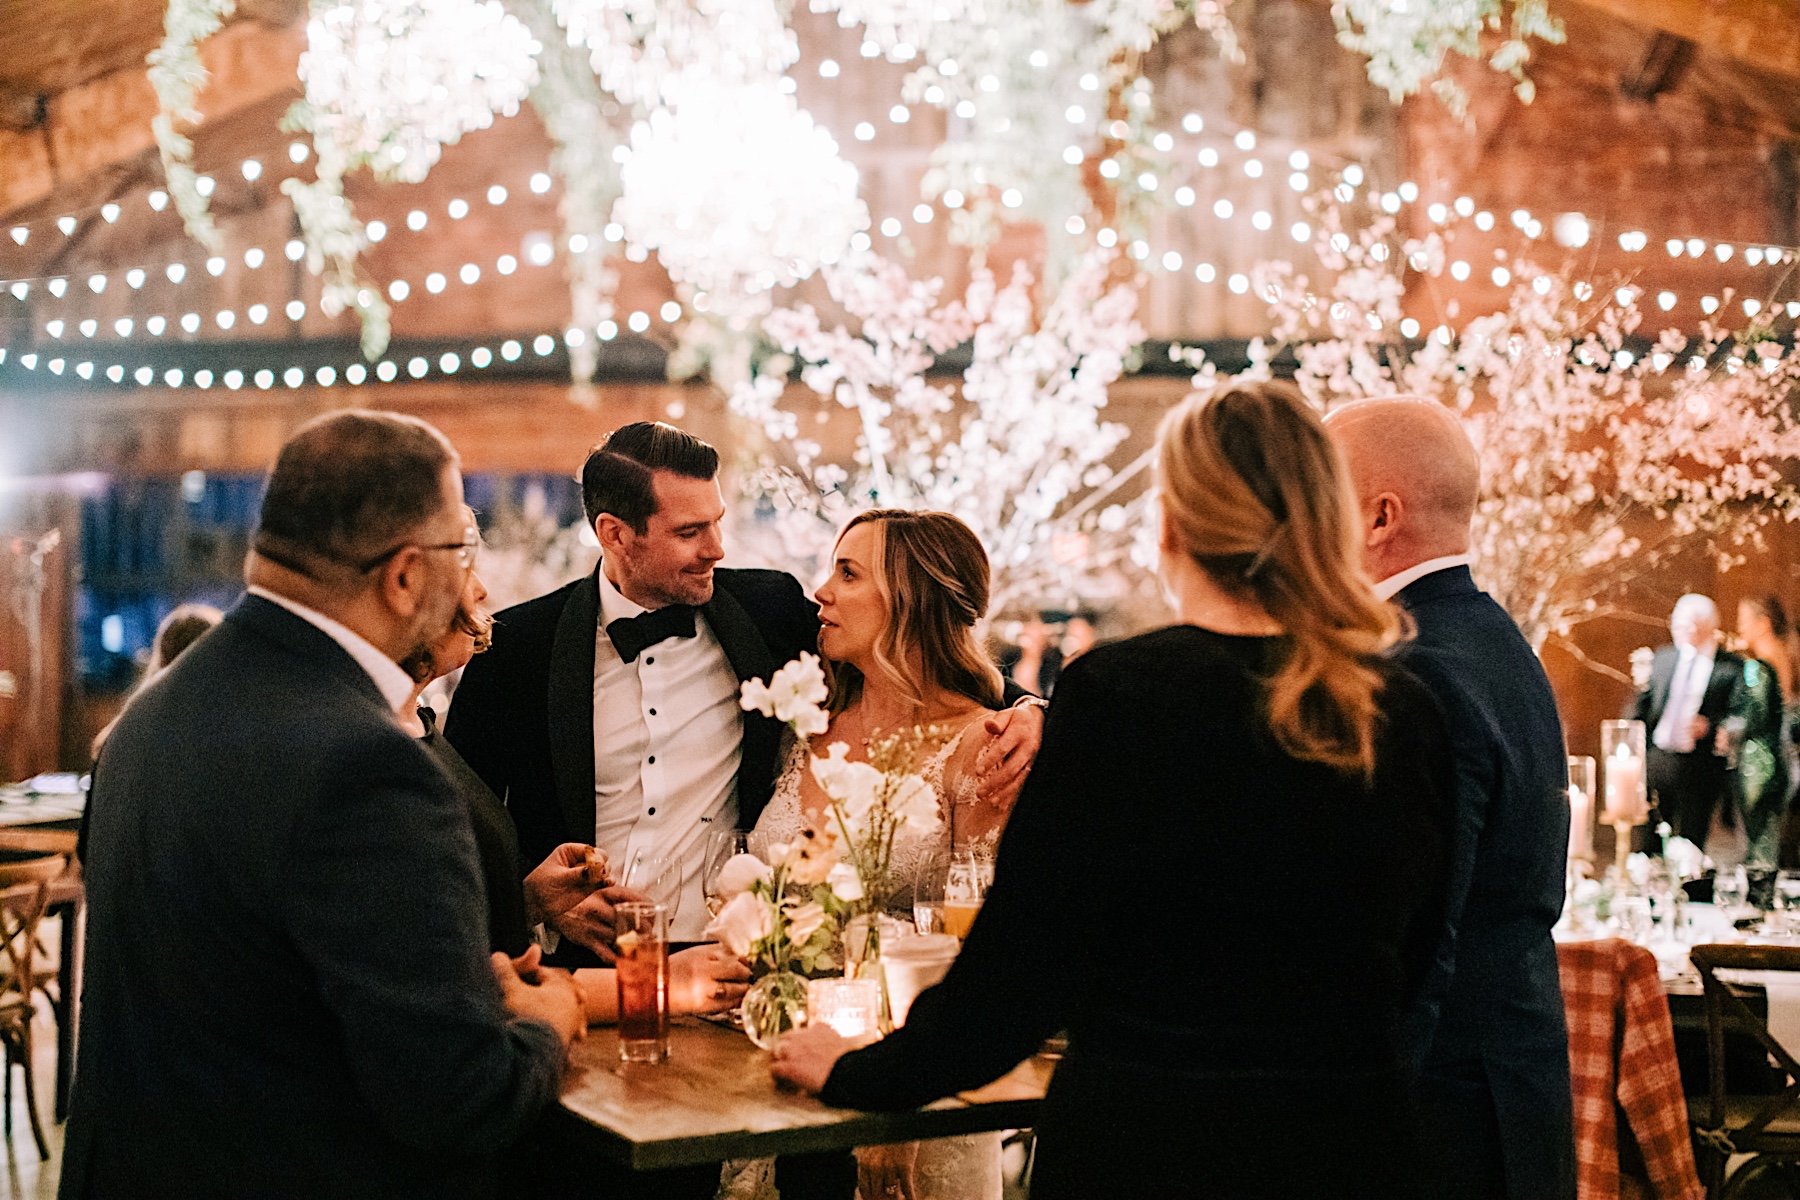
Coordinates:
[1717,704]
[1491,1026]
[287,986]
[523,715]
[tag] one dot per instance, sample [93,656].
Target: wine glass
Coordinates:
[657,876]
[1730,889]
[722,845]
[965,884]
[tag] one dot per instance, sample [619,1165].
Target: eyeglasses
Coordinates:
[465,551]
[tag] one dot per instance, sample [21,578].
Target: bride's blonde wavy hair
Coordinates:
[933,577]
[1258,497]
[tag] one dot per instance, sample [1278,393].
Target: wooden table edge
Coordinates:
[946,1118]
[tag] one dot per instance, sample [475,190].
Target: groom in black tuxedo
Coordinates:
[607,713]
[1695,686]
[1488,1032]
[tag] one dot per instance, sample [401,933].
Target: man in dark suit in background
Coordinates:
[1488,1032]
[288,987]
[1694,688]
[606,712]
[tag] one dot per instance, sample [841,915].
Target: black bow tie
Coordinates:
[631,636]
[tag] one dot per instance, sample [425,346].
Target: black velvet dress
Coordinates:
[1230,937]
[496,843]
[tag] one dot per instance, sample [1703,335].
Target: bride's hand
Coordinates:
[886,1172]
[805,1057]
[704,979]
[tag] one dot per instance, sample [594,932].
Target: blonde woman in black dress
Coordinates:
[1225,875]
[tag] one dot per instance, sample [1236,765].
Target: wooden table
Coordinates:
[714,1099]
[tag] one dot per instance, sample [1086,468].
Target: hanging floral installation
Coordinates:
[1603,455]
[1052,121]
[1406,41]
[1023,458]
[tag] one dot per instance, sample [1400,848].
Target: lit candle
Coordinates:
[1581,822]
[1625,805]
[852,1007]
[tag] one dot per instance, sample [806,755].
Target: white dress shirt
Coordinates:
[1687,691]
[396,685]
[668,737]
[1390,587]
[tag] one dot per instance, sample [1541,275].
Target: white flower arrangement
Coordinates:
[870,802]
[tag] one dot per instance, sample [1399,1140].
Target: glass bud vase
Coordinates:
[774,1005]
[862,960]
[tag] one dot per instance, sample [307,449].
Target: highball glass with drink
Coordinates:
[643,972]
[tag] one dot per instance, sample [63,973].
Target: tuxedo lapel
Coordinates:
[1722,685]
[751,658]
[1662,678]
[572,708]
[737,633]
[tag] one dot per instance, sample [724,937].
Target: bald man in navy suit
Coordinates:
[1488,1032]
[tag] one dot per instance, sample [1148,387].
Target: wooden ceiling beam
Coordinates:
[1764,34]
[100,125]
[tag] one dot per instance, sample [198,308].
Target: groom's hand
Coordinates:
[1014,736]
[591,923]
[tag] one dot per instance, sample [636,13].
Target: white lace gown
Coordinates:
[953,1168]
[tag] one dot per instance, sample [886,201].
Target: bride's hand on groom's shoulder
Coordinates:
[804,1058]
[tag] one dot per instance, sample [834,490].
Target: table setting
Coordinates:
[815,916]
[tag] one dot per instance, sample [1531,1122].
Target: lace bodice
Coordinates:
[914,854]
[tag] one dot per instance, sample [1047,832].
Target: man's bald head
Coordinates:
[1417,478]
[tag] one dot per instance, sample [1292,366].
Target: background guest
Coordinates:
[1034,661]
[1268,728]
[1488,1033]
[289,990]
[1694,686]
[179,630]
[1758,728]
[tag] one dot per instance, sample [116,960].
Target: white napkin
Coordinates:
[1784,1008]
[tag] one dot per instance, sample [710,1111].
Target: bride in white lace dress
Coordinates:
[897,627]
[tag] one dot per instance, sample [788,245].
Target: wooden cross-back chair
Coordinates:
[1727,1124]
[25,880]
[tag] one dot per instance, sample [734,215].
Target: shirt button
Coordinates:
[649,662]
[653,758]
[653,712]
[652,812]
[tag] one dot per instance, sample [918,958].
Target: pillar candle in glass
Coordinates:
[852,1007]
[1627,800]
[1581,806]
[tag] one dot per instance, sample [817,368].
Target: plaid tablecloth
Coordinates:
[1622,1059]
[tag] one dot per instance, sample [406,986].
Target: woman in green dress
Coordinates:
[1763,745]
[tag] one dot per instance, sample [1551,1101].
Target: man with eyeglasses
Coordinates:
[288,986]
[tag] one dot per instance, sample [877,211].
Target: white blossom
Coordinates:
[744,921]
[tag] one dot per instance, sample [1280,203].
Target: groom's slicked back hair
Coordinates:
[617,476]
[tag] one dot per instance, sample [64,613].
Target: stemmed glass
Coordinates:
[1731,888]
[1784,903]
[965,884]
[658,877]
[722,845]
